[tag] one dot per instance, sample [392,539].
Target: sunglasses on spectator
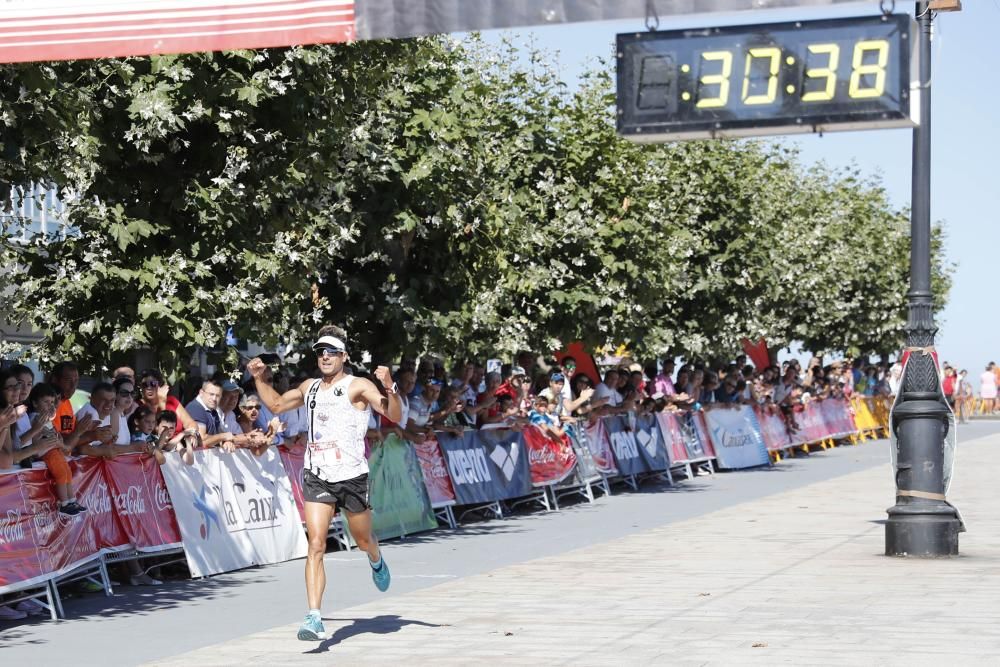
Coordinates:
[150,384]
[125,392]
[251,407]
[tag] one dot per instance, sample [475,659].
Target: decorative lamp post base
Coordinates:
[923,535]
[921,524]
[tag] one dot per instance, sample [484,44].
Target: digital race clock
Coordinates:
[780,78]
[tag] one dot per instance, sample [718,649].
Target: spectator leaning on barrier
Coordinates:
[608,389]
[539,416]
[229,402]
[124,388]
[101,410]
[425,404]
[204,411]
[155,395]
[16,387]
[450,406]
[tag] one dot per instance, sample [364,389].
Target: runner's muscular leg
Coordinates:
[360,524]
[318,516]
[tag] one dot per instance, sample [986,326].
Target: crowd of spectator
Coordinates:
[129,412]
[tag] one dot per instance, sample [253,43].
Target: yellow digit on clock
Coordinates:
[877,68]
[721,79]
[774,55]
[832,52]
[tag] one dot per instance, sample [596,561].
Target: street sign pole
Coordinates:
[921,523]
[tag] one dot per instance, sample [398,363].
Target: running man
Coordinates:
[336,470]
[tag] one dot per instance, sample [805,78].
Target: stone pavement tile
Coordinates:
[800,574]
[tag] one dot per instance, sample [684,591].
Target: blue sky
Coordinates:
[965,188]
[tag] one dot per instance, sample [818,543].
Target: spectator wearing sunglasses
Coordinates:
[154,393]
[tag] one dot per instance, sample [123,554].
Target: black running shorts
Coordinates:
[350,494]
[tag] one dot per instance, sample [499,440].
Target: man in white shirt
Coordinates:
[608,389]
[112,425]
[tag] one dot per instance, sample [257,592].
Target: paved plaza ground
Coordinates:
[779,566]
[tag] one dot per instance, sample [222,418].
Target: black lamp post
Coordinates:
[921,523]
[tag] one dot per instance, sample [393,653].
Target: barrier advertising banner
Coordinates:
[772,427]
[127,507]
[142,501]
[586,469]
[234,510]
[20,561]
[486,466]
[651,445]
[435,472]
[596,436]
[809,420]
[65,542]
[837,416]
[397,495]
[698,440]
[736,436]
[293,461]
[550,459]
[624,446]
[673,436]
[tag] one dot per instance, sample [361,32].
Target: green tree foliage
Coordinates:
[429,196]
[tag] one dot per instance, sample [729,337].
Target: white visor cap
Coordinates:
[335,344]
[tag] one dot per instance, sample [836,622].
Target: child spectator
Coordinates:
[42,404]
[540,417]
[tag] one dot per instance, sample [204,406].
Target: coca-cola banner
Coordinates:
[486,466]
[96,492]
[650,441]
[551,459]
[596,437]
[837,416]
[64,542]
[623,444]
[234,510]
[772,427]
[736,435]
[20,562]
[808,424]
[142,502]
[434,471]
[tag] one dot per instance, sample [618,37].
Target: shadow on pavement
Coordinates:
[380,625]
[131,601]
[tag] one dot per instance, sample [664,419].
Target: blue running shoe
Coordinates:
[381,576]
[312,629]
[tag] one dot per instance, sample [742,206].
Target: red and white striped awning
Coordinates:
[32,30]
[71,29]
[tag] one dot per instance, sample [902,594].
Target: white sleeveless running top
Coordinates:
[336,439]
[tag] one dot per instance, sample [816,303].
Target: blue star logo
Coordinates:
[208,514]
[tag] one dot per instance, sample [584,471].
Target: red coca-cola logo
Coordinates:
[98,500]
[11,528]
[162,498]
[542,456]
[131,502]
